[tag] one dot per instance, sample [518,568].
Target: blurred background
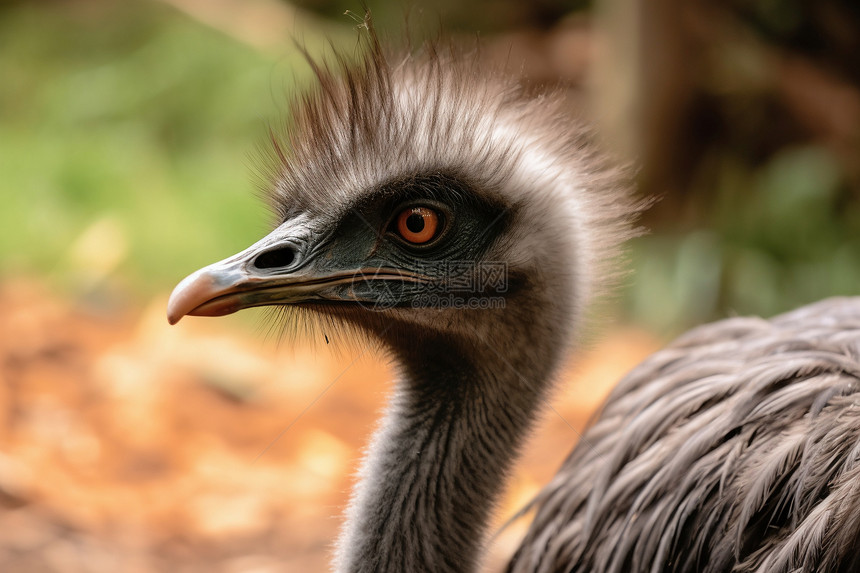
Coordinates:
[127,136]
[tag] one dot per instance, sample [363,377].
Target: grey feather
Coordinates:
[734,449]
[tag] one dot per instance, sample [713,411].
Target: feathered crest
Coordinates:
[368,115]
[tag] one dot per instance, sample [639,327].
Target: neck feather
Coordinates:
[438,462]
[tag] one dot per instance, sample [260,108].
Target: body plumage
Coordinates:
[736,448]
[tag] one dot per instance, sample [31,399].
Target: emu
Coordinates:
[737,448]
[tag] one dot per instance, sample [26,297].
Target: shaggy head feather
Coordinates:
[374,121]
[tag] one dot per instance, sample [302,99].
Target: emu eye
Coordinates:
[418,225]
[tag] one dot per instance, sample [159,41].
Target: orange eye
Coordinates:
[417,225]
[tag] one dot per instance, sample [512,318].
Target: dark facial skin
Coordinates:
[359,257]
[367,237]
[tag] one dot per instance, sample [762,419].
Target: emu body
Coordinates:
[735,449]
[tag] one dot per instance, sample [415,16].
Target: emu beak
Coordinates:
[244,280]
[229,286]
[272,271]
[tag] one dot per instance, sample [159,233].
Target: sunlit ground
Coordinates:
[129,445]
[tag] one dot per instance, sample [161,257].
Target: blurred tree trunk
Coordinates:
[746,79]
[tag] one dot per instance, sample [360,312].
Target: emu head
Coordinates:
[428,195]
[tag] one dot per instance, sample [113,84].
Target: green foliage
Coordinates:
[779,235]
[129,124]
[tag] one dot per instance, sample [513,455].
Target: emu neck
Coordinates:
[438,463]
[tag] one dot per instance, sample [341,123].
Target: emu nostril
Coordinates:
[275,258]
